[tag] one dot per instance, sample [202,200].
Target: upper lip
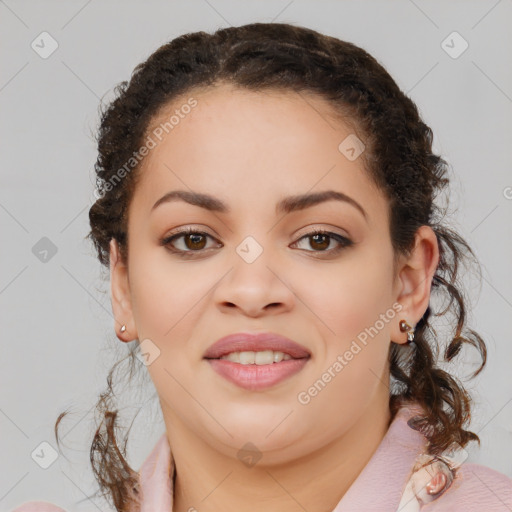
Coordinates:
[244,342]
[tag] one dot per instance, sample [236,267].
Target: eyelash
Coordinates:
[166,242]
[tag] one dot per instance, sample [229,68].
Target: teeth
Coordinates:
[261,357]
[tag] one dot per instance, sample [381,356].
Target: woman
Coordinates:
[266,211]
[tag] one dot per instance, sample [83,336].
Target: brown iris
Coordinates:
[316,237]
[195,242]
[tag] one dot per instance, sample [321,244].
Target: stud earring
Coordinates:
[123,328]
[405,327]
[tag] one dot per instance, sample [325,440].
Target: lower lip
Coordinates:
[256,377]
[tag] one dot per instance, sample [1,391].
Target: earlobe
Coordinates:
[415,281]
[120,295]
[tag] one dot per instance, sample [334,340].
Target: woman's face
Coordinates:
[254,269]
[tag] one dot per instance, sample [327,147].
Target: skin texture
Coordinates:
[250,150]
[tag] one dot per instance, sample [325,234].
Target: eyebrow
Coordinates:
[286,205]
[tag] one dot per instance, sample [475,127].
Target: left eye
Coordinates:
[321,240]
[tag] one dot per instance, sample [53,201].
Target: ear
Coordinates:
[120,295]
[414,280]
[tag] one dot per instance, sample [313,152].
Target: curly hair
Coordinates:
[398,157]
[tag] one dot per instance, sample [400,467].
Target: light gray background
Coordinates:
[57,328]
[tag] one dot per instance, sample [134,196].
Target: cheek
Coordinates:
[354,357]
[167,296]
[167,300]
[348,297]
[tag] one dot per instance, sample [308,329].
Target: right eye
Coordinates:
[192,241]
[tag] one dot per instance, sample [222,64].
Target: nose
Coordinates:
[255,287]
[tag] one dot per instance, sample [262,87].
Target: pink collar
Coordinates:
[382,480]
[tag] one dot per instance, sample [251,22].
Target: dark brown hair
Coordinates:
[398,157]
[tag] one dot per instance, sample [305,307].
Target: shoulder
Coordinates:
[38,506]
[475,488]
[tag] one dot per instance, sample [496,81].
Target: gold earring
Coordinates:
[405,327]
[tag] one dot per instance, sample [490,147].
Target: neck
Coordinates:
[209,481]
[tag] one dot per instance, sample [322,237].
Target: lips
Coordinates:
[245,342]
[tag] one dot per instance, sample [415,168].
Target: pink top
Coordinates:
[388,482]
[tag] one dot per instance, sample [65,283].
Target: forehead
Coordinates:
[246,146]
